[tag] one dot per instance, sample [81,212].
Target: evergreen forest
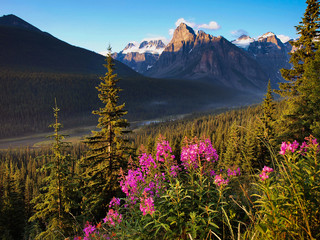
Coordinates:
[245,173]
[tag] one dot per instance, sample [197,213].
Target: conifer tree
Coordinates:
[308,103]
[265,130]
[232,155]
[292,125]
[54,203]
[304,49]
[108,146]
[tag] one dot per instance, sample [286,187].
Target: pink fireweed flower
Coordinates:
[220,181]
[147,205]
[267,169]
[233,172]
[191,154]
[304,146]
[131,183]
[114,202]
[283,148]
[163,151]
[146,162]
[265,173]
[294,146]
[89,229]
[112,218]
[174,170]
[288,147]
[264,176]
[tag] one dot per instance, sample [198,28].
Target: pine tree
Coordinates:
[53,204]
[292,123]
[268,119]
[108,147]
[232,155]
[304,49]
[265,130]
[308,102]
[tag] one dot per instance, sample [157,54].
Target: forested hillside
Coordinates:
[242,173]
[36,68]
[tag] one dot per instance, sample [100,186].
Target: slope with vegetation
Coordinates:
[234,175]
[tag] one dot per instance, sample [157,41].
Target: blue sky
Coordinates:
[93,24]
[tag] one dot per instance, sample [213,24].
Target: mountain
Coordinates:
[26,48]
[214,59]
[271,54]
[243,42]
[14,21]
[36,68]
[141,56]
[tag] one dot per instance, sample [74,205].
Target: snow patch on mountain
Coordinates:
[266,35]
[151,46]
[243,41]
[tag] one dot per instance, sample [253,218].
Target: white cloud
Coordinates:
[211,26]
[239,33]
[182,20]
[283,38]
[171,31]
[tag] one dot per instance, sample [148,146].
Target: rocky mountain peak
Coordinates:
[14,21]
[203,37]
[243,42]
[270,37]
[129,45]
[183,33]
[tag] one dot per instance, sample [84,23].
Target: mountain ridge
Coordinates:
[203,56]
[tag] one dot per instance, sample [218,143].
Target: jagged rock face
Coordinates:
[141,57]
[140,62]
[202,56]
[271,54]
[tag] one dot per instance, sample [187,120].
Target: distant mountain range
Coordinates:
[244,63]
[141,56]
[36,68]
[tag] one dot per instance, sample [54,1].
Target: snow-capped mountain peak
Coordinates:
[243,41]
[151,46]
[266,35]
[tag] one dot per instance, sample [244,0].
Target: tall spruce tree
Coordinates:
[304,52]
[265,130]
[54,203]
[308,102]
[303,49]
[108,147]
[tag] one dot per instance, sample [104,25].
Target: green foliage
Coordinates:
[293,122]
[288,202]
[108,148]
[304,49]
[54,205]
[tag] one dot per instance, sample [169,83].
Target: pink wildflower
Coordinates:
[288,147]
[146,205]
[283,148]
[163,151]
[218,179]
[89,229]
[114,202]
[112,218]
[233,172]
[191,154]
[265,173]
[174,170]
